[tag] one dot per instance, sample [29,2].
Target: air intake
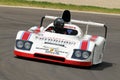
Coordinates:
[54,58]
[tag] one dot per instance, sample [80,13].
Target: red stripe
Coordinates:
[25,35]
[84,45]
[93,38]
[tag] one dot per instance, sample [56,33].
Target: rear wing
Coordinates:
[80,22]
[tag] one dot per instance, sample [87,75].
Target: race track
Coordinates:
[12,68]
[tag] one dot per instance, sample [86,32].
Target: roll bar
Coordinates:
[79,22]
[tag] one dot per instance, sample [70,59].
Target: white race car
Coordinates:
[69,45]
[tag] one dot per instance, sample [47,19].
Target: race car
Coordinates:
[62,41]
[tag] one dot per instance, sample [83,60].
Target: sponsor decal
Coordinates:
[55,41]
[51,50]
[55,44]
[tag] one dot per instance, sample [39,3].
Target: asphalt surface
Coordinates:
[12,68]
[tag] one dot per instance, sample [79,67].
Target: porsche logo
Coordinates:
[51,50]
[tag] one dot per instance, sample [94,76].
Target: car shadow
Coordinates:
[101,66]
[97,67]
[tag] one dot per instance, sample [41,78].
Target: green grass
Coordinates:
[58,6]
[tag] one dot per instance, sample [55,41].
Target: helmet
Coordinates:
[59,23]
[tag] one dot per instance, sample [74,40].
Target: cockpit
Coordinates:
[68,29]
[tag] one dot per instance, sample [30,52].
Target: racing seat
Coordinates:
[66,16]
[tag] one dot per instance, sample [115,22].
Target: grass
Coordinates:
[58,6]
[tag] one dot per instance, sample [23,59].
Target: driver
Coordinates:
[59,26]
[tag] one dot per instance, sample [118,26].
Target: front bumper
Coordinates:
[52,58]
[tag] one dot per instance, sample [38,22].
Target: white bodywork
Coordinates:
[63,45]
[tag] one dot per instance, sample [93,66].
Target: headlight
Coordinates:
[19,44]
[27,45]
[80,54]
[23,45]
[77,54]
[85,55]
